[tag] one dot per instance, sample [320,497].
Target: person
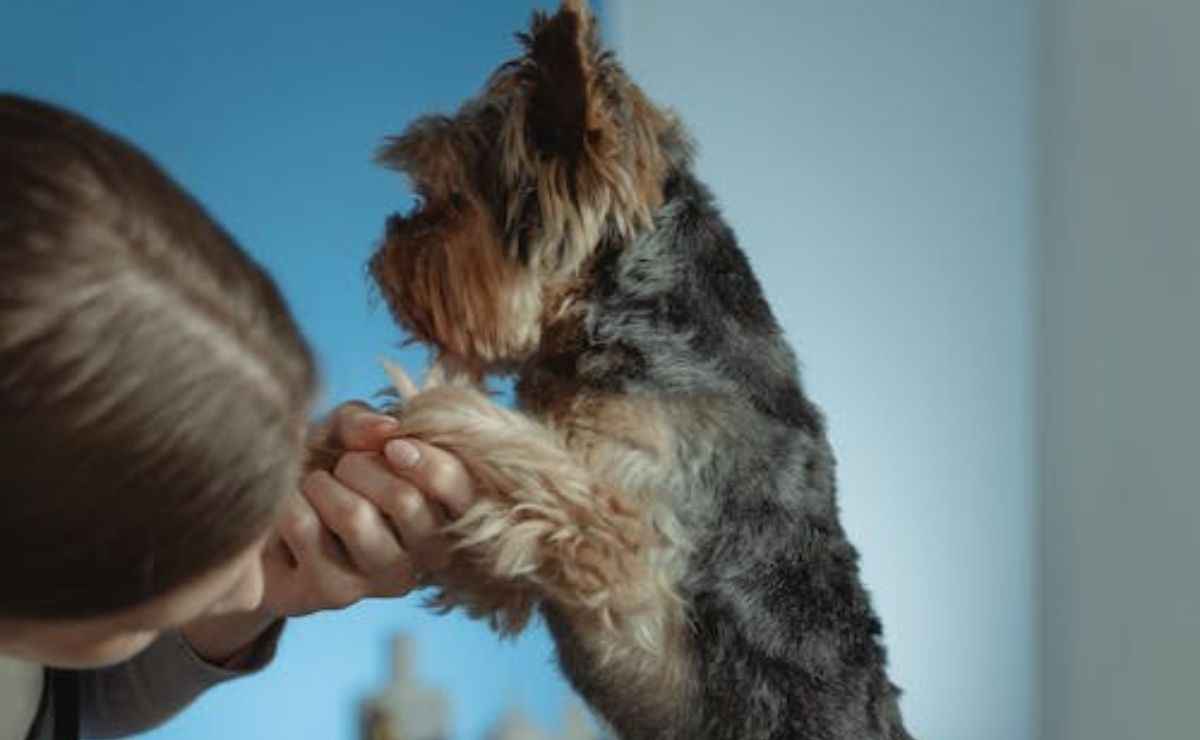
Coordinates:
[157,521]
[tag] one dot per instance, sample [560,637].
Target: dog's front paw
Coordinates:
[543,529]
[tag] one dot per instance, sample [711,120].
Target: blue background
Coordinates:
[269,113]
[877,158]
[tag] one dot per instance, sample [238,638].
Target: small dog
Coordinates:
[665,495]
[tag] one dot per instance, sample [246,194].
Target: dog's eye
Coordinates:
[457,201]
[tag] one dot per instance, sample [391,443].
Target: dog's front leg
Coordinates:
[542,530]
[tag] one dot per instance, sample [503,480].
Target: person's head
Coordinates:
[154,389]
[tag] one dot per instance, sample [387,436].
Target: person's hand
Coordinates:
[368,527]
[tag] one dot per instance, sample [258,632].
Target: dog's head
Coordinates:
[559,154]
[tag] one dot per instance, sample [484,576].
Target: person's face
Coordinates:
[109,639]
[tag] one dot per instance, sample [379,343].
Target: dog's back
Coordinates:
[785,641]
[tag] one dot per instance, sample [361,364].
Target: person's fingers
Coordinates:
[356,426]
[434,471]
[415,518]
[324,576]
[366,535]
[298,528]
[420,524]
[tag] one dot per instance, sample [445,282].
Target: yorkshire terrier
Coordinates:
[664,495]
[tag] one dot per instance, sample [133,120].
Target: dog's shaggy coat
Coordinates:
[665,494]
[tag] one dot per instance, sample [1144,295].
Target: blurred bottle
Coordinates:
[406,710]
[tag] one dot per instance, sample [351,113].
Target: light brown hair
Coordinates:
[153,384]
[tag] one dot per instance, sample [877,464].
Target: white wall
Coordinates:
[1120,115]
[875,158]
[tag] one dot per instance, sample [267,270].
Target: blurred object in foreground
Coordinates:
[406,710]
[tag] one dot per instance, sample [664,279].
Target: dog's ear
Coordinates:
[561,50]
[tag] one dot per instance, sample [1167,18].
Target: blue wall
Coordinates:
[269,112]
[874,157]
[1119,115]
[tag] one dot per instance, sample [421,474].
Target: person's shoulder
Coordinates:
[22,698]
